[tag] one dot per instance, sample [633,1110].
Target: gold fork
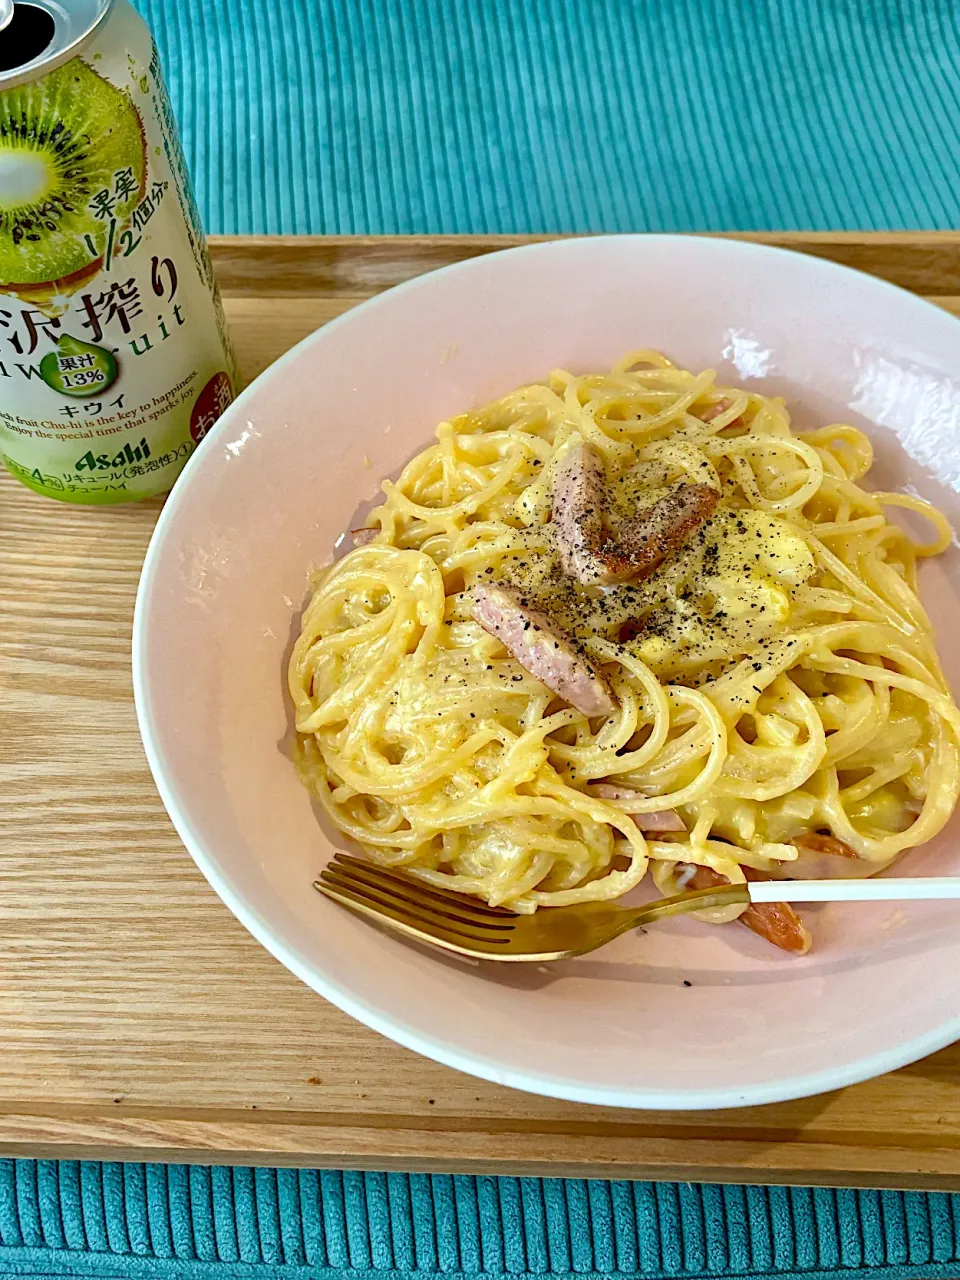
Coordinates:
[469,927]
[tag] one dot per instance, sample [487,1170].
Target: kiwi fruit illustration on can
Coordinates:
[114,356]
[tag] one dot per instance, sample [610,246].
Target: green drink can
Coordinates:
[114,356]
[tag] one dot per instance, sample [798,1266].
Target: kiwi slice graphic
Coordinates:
[64,139]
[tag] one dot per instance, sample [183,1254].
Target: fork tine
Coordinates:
[421,889]
[438,930]
[399,891]
[423,913]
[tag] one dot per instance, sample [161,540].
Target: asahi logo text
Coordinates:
[103,461]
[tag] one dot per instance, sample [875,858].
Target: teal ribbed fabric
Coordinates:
[381,116]
[135,1220]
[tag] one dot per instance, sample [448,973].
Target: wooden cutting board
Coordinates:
[139,1020]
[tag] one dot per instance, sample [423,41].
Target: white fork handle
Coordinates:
[922,888]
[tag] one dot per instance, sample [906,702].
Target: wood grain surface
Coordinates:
[139,1020]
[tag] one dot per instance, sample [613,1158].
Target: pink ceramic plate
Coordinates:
[279,479]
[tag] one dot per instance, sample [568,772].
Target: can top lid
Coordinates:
[36,35]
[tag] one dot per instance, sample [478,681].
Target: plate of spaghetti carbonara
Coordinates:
[627,624]
[594,570]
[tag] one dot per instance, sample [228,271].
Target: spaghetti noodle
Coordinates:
[778,706]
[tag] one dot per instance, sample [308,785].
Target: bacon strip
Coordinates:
[363,536]
[715,410]
[775,921]
[824,857]
[587,554]
[650,539]
[542,649]
[657,820]
[579,492]
[817,842]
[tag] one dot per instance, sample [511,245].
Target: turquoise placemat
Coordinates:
[140,1220]
[343,116]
